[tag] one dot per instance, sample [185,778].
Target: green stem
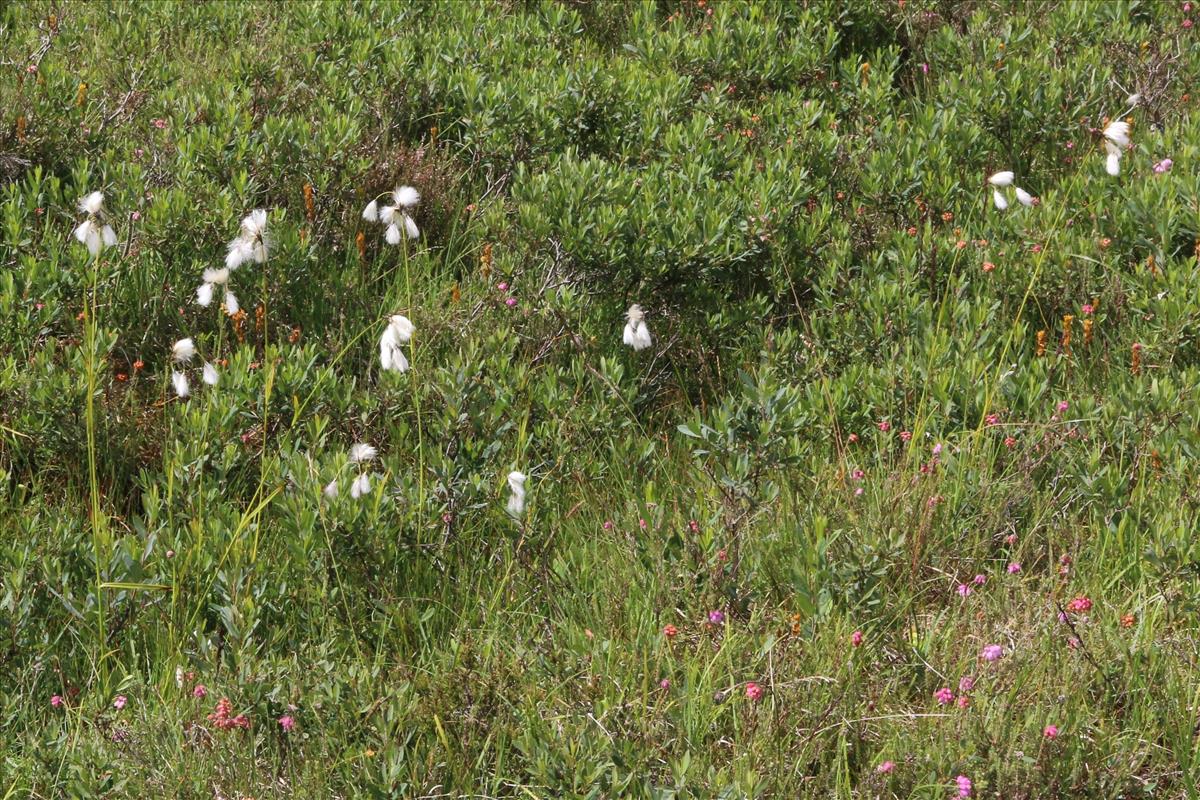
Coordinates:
[98,523]
[416,400]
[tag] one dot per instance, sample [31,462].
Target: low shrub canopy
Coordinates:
[883,425]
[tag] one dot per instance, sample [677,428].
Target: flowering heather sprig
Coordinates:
[221,719]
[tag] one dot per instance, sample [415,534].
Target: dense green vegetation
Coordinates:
[900,502]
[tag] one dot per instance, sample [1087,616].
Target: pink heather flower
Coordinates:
[944,696]
[963,701]
[992,419]
[664,684]
[1051,732]
[642,523]
[510,302]
[886,767]
[1014,568]
[1062,406]
[138,152]
[120,702]
[937,449]
[906,435]
[858,492]
[924,71]
[966,683]
[1080,605]
[56,701]
[1009,441]
[1087,308]
[1011,539]
[1073,643]
[693,526]
[159,123]
[1187,23]
[754,691]
[1163,166]
[1037,248]
[502,286]
[135,216]
[858,474]
[287,722]
[1070,145]
[992,652]
[963,590]
[980,580]
[1187,7]
[884,425]
[852,438]
[856,638]
[716,617]
[200,692]
[722,555]
[608,525]
[964,786]
[670,631]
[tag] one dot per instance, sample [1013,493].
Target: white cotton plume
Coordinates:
[387,214]
[180,382]
[1001,179]
[218,276]
[1112,162]
[398,332]
[204,294]
[361,486]
[406,196]
[1118,133]
[210,374]
[637,335]
[92,203]
[331,489]
[999,200]
[361,453]
[1023,196]
[183,350]
[516,500]
[109,236]
[231,303]
[410,227]
[371,212]
[392,235]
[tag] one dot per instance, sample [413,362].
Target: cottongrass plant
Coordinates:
[516,498]
[182,353]
[251,243]
[212,279]
[1003,180]
[398,332]
[637,335]
[361,454]
[93,231]
[1116,141]
[400,224]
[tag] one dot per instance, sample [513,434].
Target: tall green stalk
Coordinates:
[99,523]
[416,399]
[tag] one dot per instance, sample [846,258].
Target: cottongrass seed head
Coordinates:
[516,500]
[398,332]
[183,350]
[637,335]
